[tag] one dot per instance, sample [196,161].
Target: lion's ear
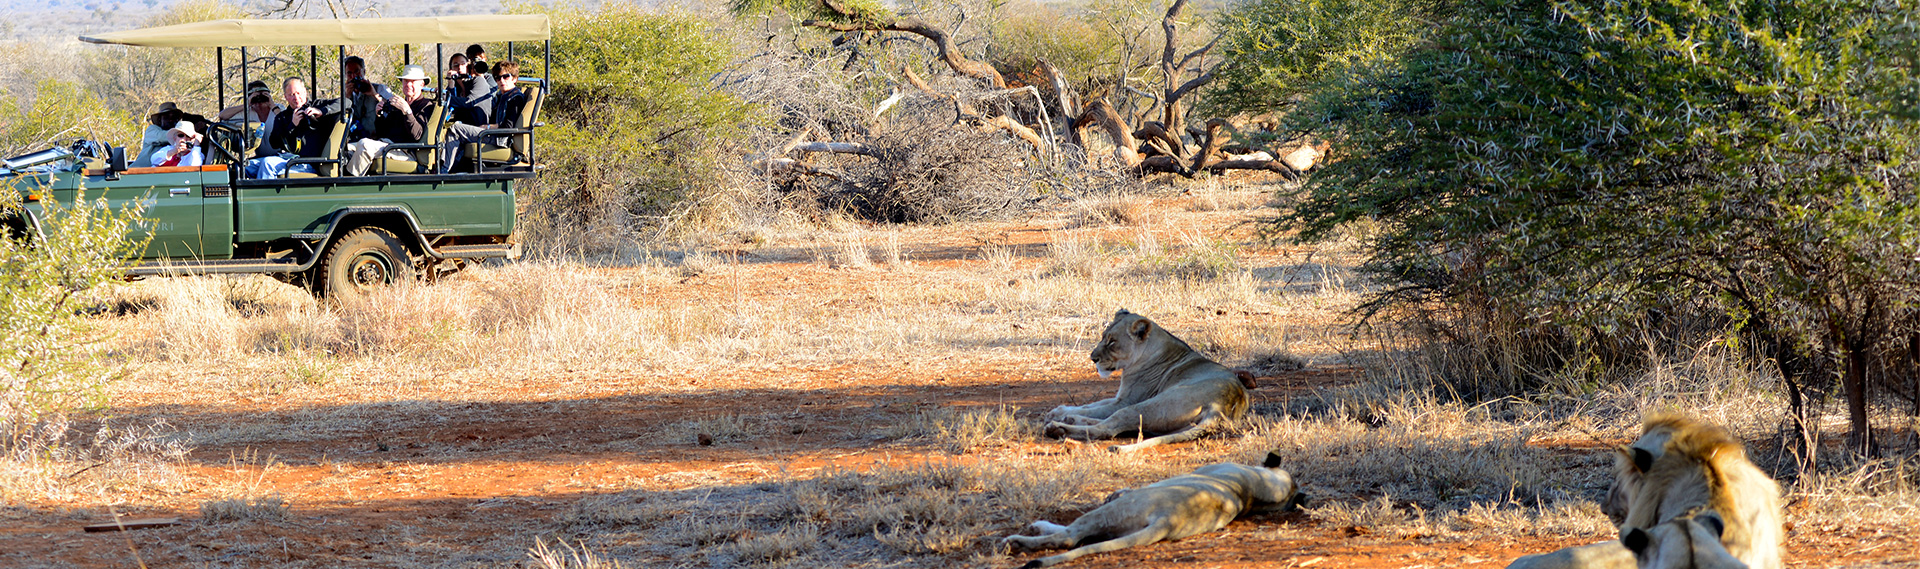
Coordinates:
[1635,539]
[1642,459]
[1713,522]
[1140,329]
[1122,312]
[1273,461]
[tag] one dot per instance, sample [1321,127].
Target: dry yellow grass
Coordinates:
[764,308]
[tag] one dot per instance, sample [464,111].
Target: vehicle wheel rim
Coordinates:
[368,271]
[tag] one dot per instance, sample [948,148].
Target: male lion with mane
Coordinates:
[1685,496]
[1166,389]
[1178,507]
[1686,468]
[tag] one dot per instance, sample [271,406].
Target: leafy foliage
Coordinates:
[1081,44]
[61,111]
[1278,50]
[633,118]
[48,365]
[1586,162]
[848,11]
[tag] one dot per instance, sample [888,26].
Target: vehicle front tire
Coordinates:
[360,262]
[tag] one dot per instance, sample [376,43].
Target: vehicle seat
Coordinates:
[423,156]
[519,140]
[328,164]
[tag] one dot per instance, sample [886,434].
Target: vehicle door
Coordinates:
[172,203]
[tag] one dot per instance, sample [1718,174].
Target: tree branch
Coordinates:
[943,43]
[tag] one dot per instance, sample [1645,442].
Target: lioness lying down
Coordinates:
[1166,389]
[1174,508]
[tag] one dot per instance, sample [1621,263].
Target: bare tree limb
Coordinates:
[836,148]
[943,43]
[1210,144]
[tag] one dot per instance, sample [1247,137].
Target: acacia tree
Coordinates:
[1586,161]
[1276,51]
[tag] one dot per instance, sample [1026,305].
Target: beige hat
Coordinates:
[413,72]
[185,128]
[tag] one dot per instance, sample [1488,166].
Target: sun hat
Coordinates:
[257,87]
[167,107]
[413,72]
[185,128]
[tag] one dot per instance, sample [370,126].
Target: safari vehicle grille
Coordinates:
[216,191]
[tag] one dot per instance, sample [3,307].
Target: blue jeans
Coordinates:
[274,167]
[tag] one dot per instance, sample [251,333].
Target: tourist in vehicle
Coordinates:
[474,105]
[399,119]
[155,137]
[505,111]
[183,149]
[457,77]
[299,130]
[254,89]
[356,69]
[508,104]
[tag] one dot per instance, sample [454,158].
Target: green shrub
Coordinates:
[47,360]
[633,121]
[1602,167]
[48,363]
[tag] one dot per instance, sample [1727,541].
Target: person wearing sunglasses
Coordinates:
[184,150]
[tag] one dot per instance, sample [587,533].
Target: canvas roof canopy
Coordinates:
[362,31]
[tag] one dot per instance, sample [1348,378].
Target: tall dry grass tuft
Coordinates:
[616,511]
[569,557]
[1114,209]
[243,509]
[960,431]
[56,463]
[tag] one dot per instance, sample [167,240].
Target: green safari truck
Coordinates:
[424,214]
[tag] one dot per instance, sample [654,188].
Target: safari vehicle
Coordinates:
[333,233]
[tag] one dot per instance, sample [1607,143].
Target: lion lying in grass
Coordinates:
[1166,389]
[1681,482]
[1174,508]
[1698,469]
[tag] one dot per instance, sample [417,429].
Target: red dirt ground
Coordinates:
[481,475]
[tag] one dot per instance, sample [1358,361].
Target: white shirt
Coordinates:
[191,158]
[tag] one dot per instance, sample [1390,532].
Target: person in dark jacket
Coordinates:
[399,119]
[299,131]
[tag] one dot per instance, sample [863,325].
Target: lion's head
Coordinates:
[1128,339]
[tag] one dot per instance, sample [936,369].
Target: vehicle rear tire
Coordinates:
[361,262]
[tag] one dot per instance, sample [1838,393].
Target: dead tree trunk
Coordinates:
[1102,114]
[1172,69]
[1064,98]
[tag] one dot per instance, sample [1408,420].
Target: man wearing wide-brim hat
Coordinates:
[155,137]
[401,118]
